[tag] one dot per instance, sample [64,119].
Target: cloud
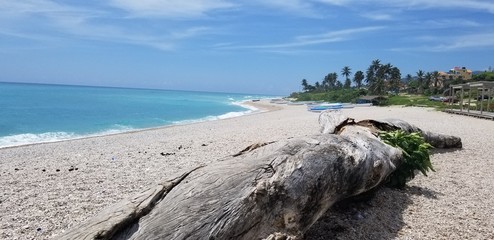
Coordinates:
[378,16]
[450,44]
[472,41]
[302,8]
[336,2]
[47,21]
[483,5]
[317,39]
[170,8]
[449,23]
[479,5]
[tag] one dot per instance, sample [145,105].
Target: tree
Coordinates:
[358,78]
[435,77]
[412,84]
[318,86]
[382,78]
[394,79]
[427,80]
[372,70]
[346,71]
[420,81]
[305,85]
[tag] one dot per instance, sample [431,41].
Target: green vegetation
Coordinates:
[340,95]
[384,81]
[416,100]
[415,156]
[485,76]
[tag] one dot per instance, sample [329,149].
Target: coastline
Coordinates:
[250,108]
[448,204]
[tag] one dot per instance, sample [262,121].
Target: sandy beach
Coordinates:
[45,189]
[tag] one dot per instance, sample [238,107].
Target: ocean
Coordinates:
[34,113]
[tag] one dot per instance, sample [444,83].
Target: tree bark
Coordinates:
[281,188]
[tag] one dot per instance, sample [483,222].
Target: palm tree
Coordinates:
[394,79]
[420,81]
[305,85]
[317,85]
[428,80]
[333,79]
[346,71]
[372,70]
[357,78]
[435,76]
[411,84]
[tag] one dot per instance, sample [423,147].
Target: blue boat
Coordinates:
[325,106]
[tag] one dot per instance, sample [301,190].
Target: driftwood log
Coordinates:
[274,191]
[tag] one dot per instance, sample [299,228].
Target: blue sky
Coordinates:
[246,46]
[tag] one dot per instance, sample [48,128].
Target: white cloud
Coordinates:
[346,33]
[472,41]
[298,7]
[450,44]
[379,16]
[483,5]
[171,8]
[480,5]
[307,40]
[336,2]
[449,23]
[47,21]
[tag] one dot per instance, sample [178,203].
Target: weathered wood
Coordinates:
[123,214]
[265,191]
[334,123]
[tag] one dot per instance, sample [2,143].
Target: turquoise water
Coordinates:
[32,113]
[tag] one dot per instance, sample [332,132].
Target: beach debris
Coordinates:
[204,145]
[16,169]
[71,168]
[180,147]
[266,191]
[167,154]
[57,170]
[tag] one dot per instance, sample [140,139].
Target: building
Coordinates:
[456,73]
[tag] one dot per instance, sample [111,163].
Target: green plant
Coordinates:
[415,156]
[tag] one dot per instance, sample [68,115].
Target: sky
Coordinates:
[242,46]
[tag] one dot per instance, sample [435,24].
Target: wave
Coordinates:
[31,138]
[250,110]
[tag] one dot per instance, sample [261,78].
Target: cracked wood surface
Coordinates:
[282,188]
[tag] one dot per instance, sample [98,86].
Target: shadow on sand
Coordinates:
[374,215]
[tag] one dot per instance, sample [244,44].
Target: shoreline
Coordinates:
[251,108]
[56,186]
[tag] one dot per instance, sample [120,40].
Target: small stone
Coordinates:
[180,147]
[16,169]
[58,170]
[38,229]
[166,154]
[44,170]
[204,145]
[358,216]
